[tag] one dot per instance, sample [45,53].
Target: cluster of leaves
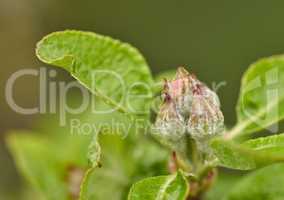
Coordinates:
[56,162]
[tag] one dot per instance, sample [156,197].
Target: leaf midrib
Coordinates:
[163,188]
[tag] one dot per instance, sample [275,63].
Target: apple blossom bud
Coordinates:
[189,108]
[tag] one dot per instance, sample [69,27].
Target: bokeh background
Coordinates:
[217,40]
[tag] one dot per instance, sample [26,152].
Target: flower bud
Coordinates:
[189,108]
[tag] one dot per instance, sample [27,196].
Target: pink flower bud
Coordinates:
[189,108]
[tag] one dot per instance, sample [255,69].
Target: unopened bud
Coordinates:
[189,108]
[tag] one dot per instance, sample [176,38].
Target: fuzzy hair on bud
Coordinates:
[189,108]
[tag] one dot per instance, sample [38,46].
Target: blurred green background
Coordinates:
[217,40]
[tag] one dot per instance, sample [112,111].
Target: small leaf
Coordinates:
[174,187]
[251,154]
[112,70]
[261,100]
[263,184]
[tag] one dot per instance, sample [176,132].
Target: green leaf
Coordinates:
[122,162]
[251,154]
[112,70]
[263,184]
[49,156]
[269,149]
[261,100]
[174,187]
[232,155]
[37,160]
